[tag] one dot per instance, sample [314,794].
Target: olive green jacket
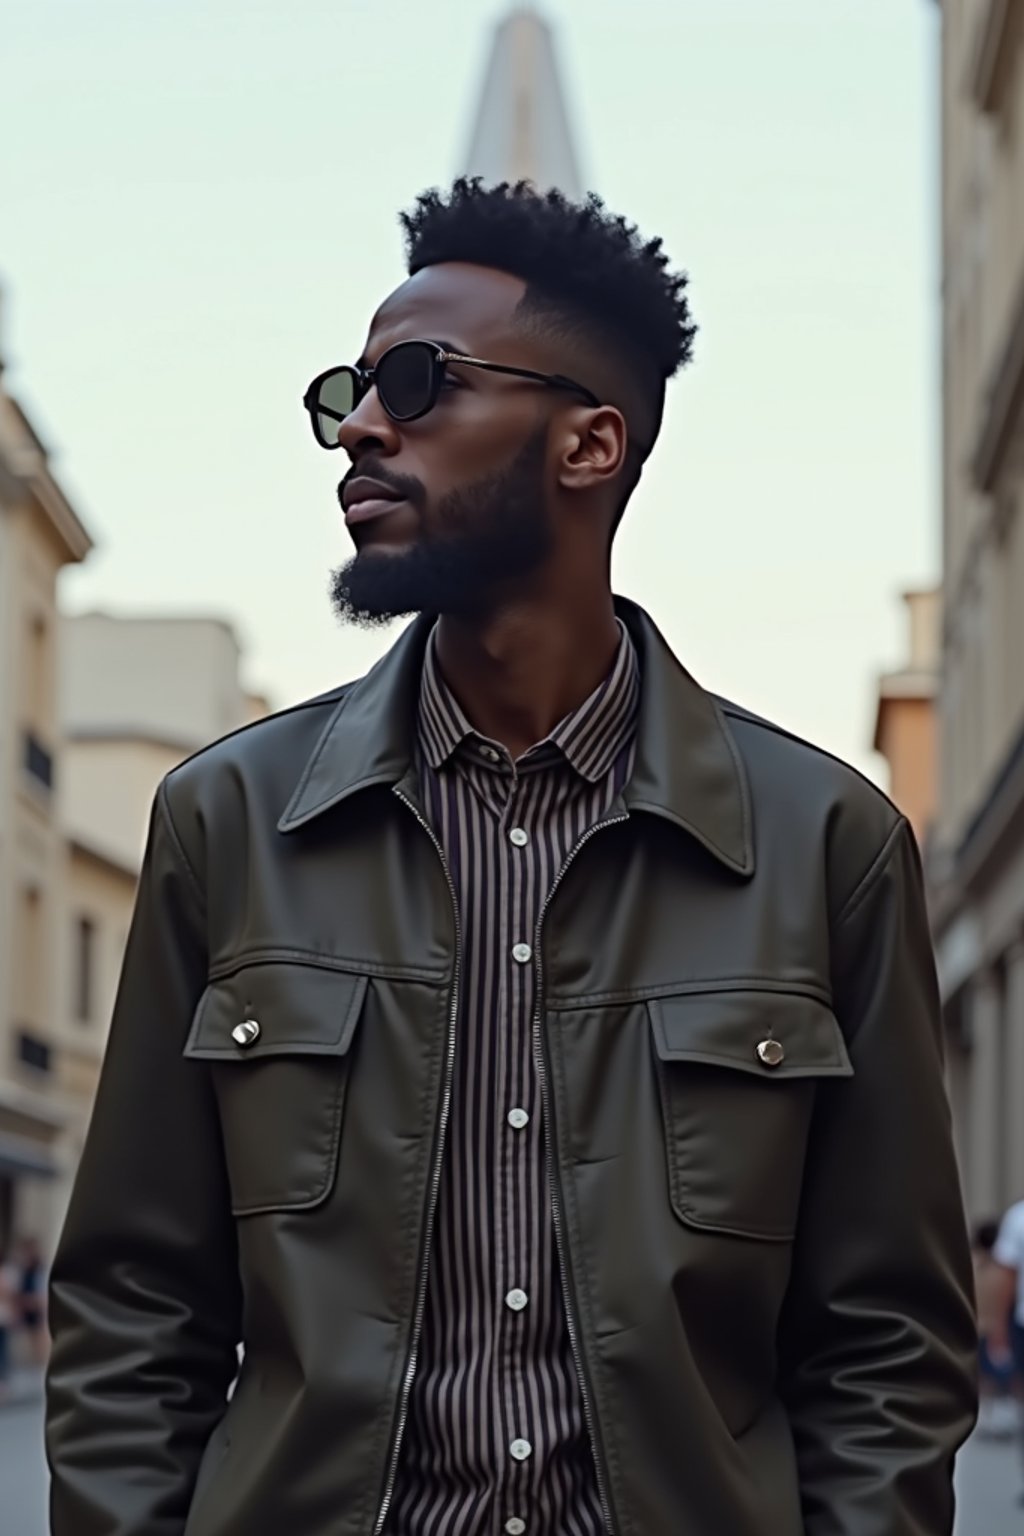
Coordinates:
[753,1181]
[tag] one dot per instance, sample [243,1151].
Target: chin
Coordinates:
[373,550]
[383,533]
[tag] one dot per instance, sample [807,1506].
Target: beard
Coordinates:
[488,536]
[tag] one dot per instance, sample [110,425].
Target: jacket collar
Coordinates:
[688,768]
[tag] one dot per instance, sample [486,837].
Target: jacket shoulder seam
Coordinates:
[737,712]
[178,847]
[872,874]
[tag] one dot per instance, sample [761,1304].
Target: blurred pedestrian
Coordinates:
[1009,1255]
[995,1360]
[32,1299]
[8,1318]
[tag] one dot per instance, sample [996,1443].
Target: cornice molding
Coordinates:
[26,470]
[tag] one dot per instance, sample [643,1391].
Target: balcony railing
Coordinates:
[38,762]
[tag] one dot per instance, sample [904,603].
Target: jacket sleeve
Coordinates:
[144,1296]
[878,1343]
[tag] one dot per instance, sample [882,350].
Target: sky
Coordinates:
[198,212]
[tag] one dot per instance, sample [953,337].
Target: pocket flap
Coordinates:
[301,1010]
[725,1029]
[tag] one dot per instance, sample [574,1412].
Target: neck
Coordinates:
[519,671]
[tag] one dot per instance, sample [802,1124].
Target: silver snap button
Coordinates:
[771,1053]
[246,1033]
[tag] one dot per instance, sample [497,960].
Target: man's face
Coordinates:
[473,475]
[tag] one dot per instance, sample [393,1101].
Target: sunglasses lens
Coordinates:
[336,398]
[405,380]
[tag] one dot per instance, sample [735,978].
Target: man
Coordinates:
[533,1061]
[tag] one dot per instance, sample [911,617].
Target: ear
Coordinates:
[593,447]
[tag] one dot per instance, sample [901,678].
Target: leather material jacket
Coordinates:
[756,1201]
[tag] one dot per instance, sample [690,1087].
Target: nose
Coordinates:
[368,428]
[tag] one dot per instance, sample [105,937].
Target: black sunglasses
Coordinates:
[409,377]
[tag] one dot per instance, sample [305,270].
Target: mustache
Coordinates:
[404,486]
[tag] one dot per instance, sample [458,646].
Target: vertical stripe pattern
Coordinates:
[496,1440]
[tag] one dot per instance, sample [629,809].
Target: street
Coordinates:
[989,1481]
[23,1475]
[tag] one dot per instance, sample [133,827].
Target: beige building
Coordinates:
[976,850]
[137,696]
[905,721]
[40,533]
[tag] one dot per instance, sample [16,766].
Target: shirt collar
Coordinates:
[442,725]
[590,737]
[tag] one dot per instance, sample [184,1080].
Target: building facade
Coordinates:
[976,847]
[40,534]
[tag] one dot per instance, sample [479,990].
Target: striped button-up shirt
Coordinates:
[496,1439]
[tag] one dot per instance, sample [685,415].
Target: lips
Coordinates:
[364,499]
[372,507]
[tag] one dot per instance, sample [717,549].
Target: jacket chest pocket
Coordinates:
[278,1038]
[738,1072]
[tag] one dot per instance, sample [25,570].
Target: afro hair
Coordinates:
[577,258]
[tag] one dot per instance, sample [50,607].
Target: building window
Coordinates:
[37,656]
[85,957]
[33,1052]
[38,762]
[28,958]
[36,675]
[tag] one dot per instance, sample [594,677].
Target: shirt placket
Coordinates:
[506,830]
[516,1161]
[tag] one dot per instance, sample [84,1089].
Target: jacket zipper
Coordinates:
[435,1182]
[554,1182]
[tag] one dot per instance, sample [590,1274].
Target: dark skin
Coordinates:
[536,649]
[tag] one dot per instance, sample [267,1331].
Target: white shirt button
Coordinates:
[521,1450]
[514,1526]
[517,1119]
[490,754]
[516,1300]
[521,953]
[518,837]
